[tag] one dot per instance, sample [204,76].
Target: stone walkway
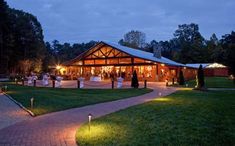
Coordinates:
[59,128]
[10,113]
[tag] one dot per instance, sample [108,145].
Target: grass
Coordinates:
[50,100]
[212,82]
[183,118]
[215,82]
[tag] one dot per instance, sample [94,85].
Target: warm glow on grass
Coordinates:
[95,131]
[163,99]
[11,92]
[182,118]
[98,132]
[186,89]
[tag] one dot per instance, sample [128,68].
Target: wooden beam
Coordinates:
[135,64]
[102,53]
[106,58]
[93,51]
[110,52]
[132,64]
[117,54]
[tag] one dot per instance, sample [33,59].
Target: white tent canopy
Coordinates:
[206,65]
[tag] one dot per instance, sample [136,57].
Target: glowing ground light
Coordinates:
[163,99]
[5,88]
[31,101]
[160,94]
[89,121]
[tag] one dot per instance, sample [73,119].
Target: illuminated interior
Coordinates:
[106,62]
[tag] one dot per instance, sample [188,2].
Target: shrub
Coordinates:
[181,78]
[200,77]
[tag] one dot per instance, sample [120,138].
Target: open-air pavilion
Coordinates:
[107,60]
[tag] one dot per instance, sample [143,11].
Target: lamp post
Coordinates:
[145,83]
[16,82]
[166,82]
[5,88]
[31,102]
[112,84]
[78,83]
[22,81]
[89,121]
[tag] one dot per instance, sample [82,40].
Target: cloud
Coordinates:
[78,21]
[47,6]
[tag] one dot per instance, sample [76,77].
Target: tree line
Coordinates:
[22,46]
[188,46]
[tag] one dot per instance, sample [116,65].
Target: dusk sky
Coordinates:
[84,20]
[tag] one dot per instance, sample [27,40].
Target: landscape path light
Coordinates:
[5,88]
[16,82]
[89,120]
[31,102]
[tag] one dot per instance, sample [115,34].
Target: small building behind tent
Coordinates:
[212,69]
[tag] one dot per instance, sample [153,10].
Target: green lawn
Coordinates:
[51,100]
[212,82]
[215,82]
[183,118]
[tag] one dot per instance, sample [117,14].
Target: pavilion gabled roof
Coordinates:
[133,52]
[143,54]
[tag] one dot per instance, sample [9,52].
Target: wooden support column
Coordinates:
[132,65]
[178,71]
[157,73]
[83,68]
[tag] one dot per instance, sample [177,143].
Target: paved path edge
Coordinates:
[20,105]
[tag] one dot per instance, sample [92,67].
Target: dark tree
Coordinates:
[49,59]
[21,41]
[228,44]
[4,35]
[181,78]
[200,78]
[64,52]
[134,80]
[190,43]
[134,39]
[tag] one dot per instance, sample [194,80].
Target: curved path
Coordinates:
[58,129]
[10,113]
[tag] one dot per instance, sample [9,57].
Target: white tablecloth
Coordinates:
[95,78]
